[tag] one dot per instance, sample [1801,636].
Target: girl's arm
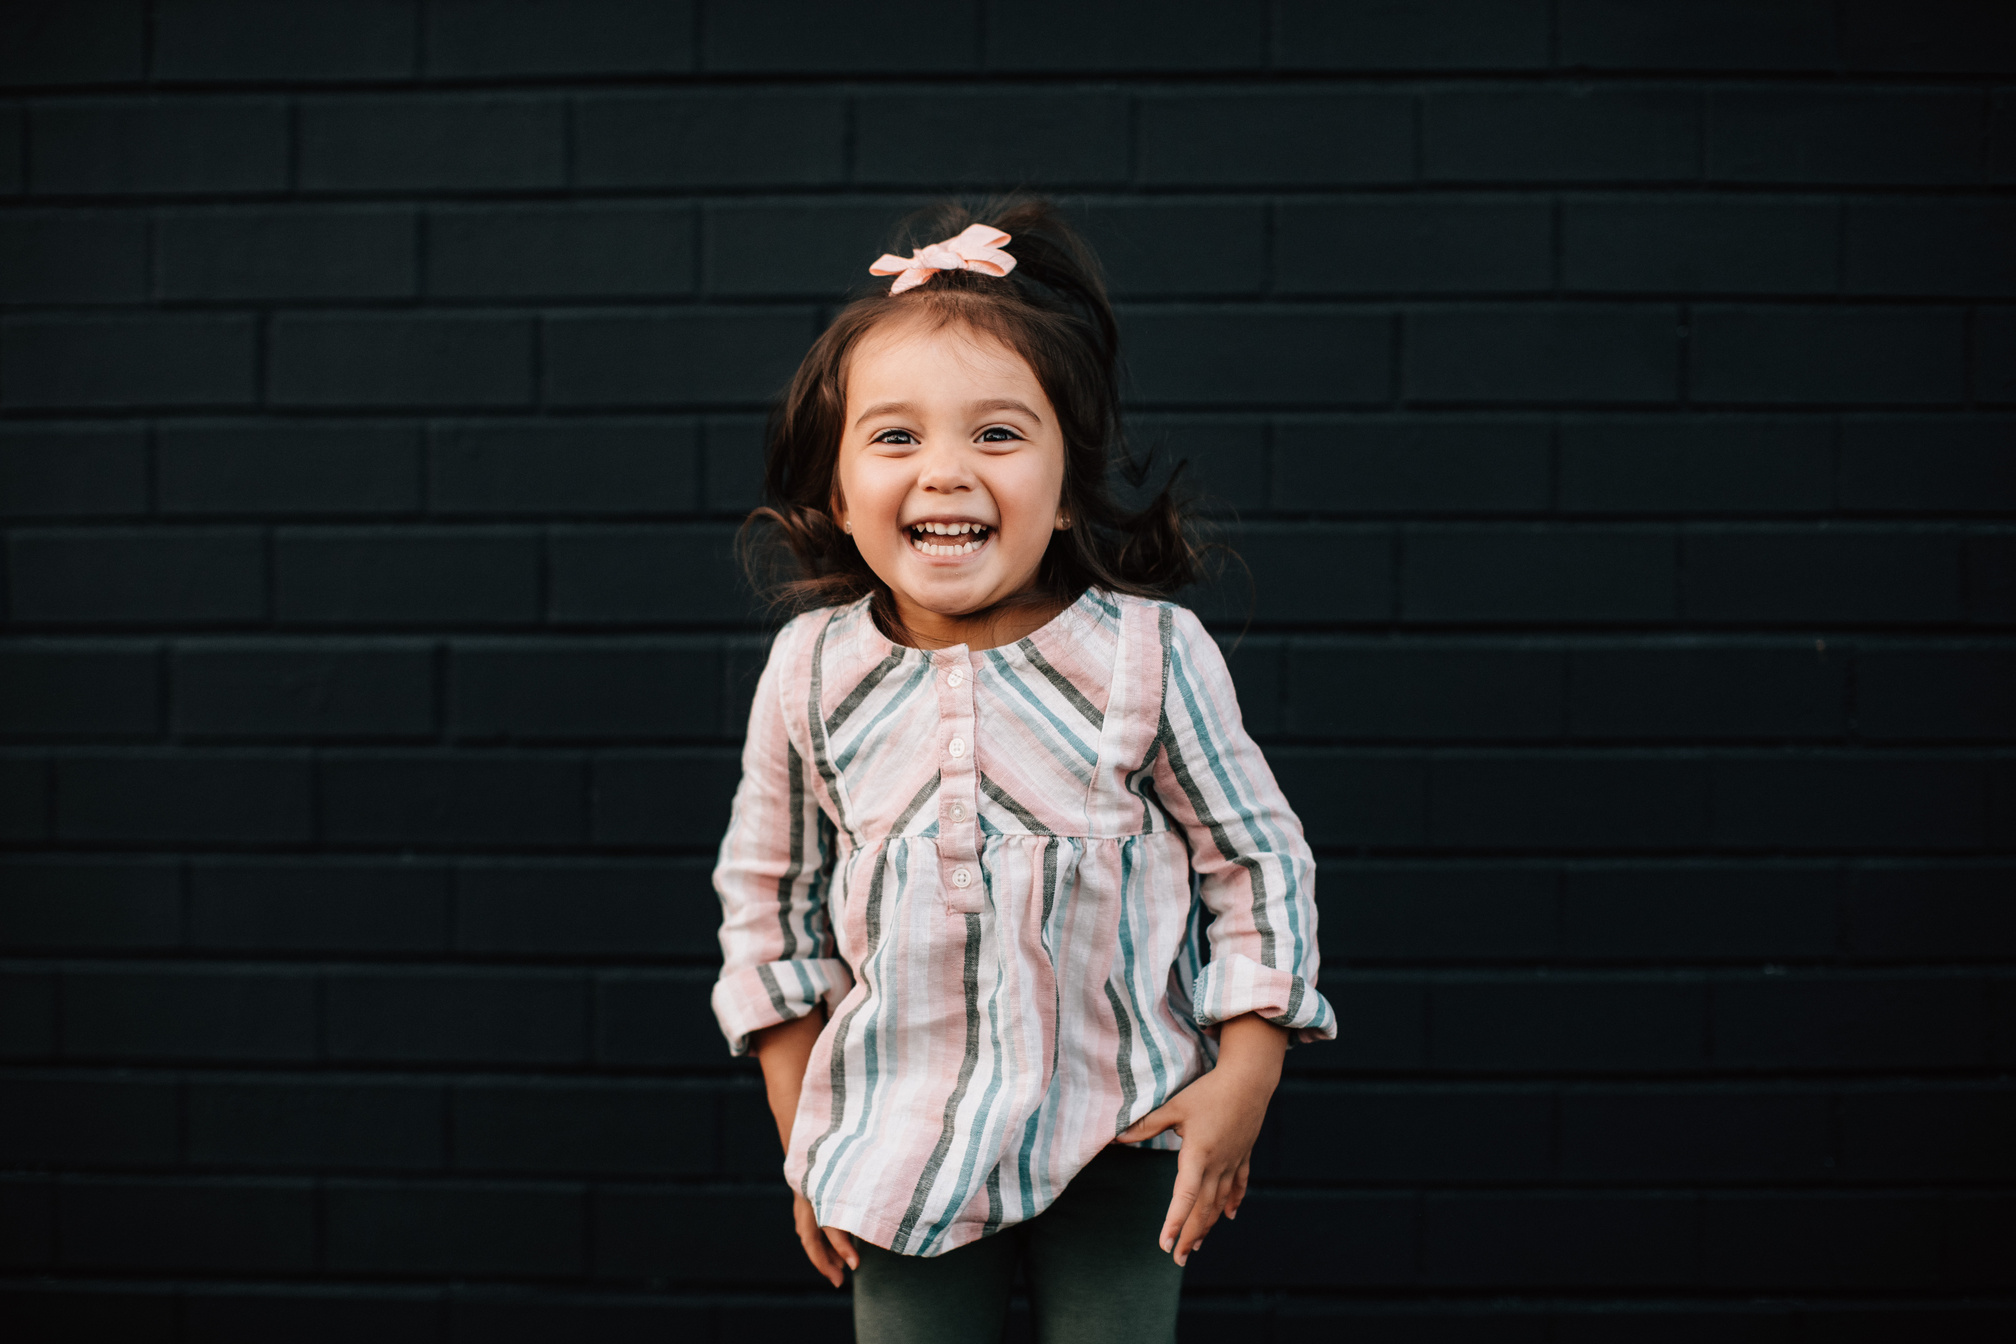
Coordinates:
[782,1050]
[1258,880]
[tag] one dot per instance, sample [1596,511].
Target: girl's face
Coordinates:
[950,474]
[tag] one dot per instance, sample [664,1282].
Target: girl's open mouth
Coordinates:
[949,538]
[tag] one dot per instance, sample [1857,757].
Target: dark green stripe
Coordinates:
[795,765]
[1063,684]
[1128,1093]
[1021,813]
[922,1194]
[864,689]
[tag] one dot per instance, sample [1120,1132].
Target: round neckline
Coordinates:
[1071,614]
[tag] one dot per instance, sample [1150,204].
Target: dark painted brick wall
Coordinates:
[1614,401]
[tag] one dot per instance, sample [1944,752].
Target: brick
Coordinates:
[1377,689]
[585,690]
[620,250]
[1957,248]
[397,359]
[1178,248]
[224,467]
[1930,692]
[1265,139]
[1498,1322]
[1263,357]
[1446,35]
[215,798]
[489,798]
[455,1230]
[239,1316]
[237,689]
[1382,1025]
[720,1238]
[1593,353]
[1654,911]
[1696,465]
[1622,1240]
[27,1013]
[25,797]
[1360,798]
[1692,692]
[212,1226]
[514,1318]
[1265,583]
[466,576]
[662,798]
[802,38]
[1920,1133]
[1848,356]
[1654,245]
[99,41]
[13,149]
[1975,1225]
[1850,802]
[1872,136]
[564,467]
[49,689]
[1800,575]
[2002,138]
[1588,1022]
[1608,801]
[432,143]
[711,138]
[1537,573]
[1913,912]
[461,1017]
[1410,245]
[655,1019]
[1370,1240]
[1718,35]
[1660,1135]
[1388,1133]
[72,469]
[1822,1240]
[1994,374]
[360,253]
[645,576]
[685,357]
[1224,459]
[1865,1022]
[87,1121]
[793,248]
[188,1012]
[1901,464]
[1991,578]
[323,1124]
[1947,35]
[159,146]
[558,37]
[1413,465]
[27,1227]
[1860,1324]
[1427,912]
[73,256]
[1050,139]
[619,909]
[1139,35]
[56,363]
[319,905]
[732,462]
[1577,134]
[71,904]
[317,40]
[87,1313]
[628,1130]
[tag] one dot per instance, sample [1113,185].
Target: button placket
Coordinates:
[958,787]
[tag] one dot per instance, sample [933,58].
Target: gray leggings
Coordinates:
[1094,1270]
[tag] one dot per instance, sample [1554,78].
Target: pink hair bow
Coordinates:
[977,248]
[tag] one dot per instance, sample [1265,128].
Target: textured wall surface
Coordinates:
[1615,401]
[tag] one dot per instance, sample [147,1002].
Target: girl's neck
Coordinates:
[990,628]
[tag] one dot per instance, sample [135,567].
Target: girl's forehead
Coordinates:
[896,351]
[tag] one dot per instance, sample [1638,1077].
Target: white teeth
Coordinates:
[964,548]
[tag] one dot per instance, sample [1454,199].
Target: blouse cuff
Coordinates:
[754,997]
[1232,985]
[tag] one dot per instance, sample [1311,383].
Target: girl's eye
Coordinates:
[899,436]
[999,434]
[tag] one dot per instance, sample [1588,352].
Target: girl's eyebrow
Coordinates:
[1006,404]
[905,408]
[886,408]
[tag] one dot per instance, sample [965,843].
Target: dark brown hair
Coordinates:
[1052,310]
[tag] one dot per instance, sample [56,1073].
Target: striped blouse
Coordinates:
[1024,881]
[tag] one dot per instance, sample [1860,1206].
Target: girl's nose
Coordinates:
[944,470]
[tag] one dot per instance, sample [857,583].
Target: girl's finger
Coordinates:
[1183,1199]
[821,1256]
[1151,1124]
[844,1245]
[1239,1189]
[1203,1217]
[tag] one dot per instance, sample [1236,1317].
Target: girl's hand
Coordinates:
[1219,1118]
[826,1247]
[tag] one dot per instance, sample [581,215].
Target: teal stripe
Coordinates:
[1007,674]
[897,699]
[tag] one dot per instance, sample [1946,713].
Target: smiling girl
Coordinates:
[1016,920]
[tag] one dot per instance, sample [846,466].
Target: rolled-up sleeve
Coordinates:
[773,875]
[1257,875]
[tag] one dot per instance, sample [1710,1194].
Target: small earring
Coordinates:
[1063,521]
[847,528]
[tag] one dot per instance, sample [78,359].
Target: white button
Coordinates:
[958,810]
[957,746]
[954,677]
[961,878]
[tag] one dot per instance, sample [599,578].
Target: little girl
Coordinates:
[1015,917]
